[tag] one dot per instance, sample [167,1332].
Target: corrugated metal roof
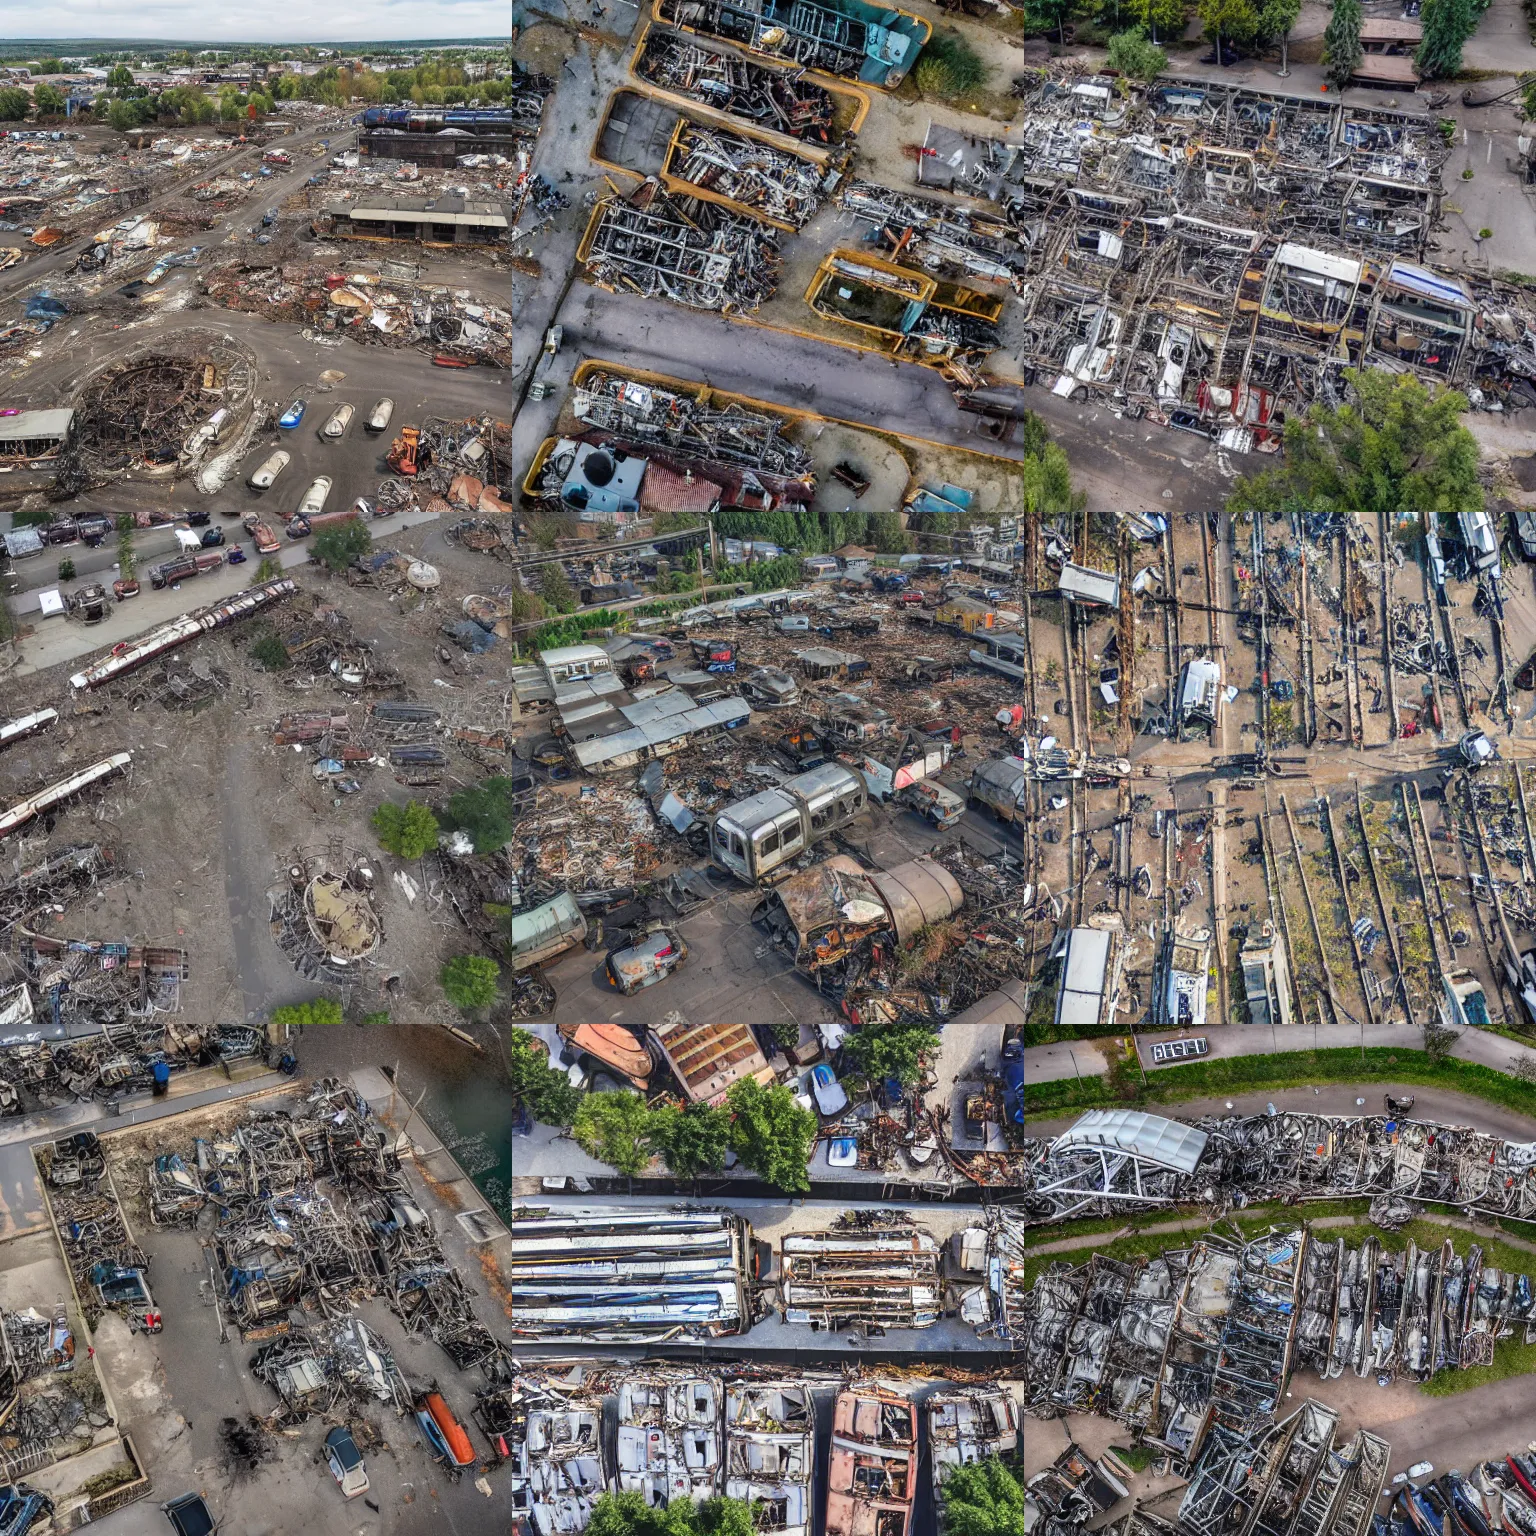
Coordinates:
[35,424]
[918,893]
[1303,258]
[1083,973]
[1086,585]
[1169,1143]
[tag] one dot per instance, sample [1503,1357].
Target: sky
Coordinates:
[198,21]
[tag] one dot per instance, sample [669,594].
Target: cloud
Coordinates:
[195,21]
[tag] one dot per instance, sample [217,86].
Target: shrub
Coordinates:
[470,981]
[379,1020]
[693,1140]
[269,652]
[66,570]
[407,831]
[1133,55]
[319,1010]
[269,569]
[949,67]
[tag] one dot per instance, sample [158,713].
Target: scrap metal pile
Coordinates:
[142,411]
[874,1269]
[1213,1332]
[314,1370]
[314,1212]
[948,239]
[780,99]
[110,1270]
[367,306]
[776,186]
[322,911]
[683,249]
[1112,1161]
[1231,250]
[628,1275]
[742,448]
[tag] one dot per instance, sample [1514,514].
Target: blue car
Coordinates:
[293,415]
[1013,1081]
[236,555]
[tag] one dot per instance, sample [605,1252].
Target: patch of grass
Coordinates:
[1510,1358]
[1137,1457]
[1290,1069]
[949,67]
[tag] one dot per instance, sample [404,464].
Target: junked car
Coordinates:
[378,418]
[268,470]
[293,415]
[653,959]
[337,423]
[346,1462]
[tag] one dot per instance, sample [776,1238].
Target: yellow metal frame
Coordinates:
[835,85]
[687,118]
[778,63]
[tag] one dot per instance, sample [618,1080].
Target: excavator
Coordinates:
[403,452]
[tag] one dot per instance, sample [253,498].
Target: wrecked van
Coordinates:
[537,936]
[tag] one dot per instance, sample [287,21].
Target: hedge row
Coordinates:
[1287,1069]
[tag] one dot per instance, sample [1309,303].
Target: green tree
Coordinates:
[693,1140]
[1166,16]
[470,981]
[122,117]
[1447,25]
[887,535]
[1049,16]
[892,1050]
[1341,43]
[1133,55]
[627,1514]
[338,546]
[555,587]
[771,1134]
[49,101]
[550,1096]
[407,831]
[1394,447]
[14,104]
[48,67]
[120,78]
[984,1499]
[485,812]
[319,1010]
[1236,21]
[615,1129]
[1276,18]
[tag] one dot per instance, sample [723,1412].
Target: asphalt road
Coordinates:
[1116,462]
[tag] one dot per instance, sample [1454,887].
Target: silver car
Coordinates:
[653,959]
[378,417]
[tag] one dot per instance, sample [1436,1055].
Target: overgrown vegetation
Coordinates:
[484,813]
[1289,1069]
[984,1499]
[319,1010]
[1132,54]
[1394,447]
[627,1514]
[949,67]
[549,1095]
[470,981]
[270,653]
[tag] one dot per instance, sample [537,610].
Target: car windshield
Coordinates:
[344,1449]
[190,1516]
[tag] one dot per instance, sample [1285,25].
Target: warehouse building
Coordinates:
[33,436]
[436,221]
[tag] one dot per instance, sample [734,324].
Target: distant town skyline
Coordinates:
[193,21]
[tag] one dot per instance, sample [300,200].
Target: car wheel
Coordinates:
[1080,395]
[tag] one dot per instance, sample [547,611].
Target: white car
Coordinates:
[314,498]
[268,470]
[1164,1051]
[346,1462]
[378,418]
[337,423]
